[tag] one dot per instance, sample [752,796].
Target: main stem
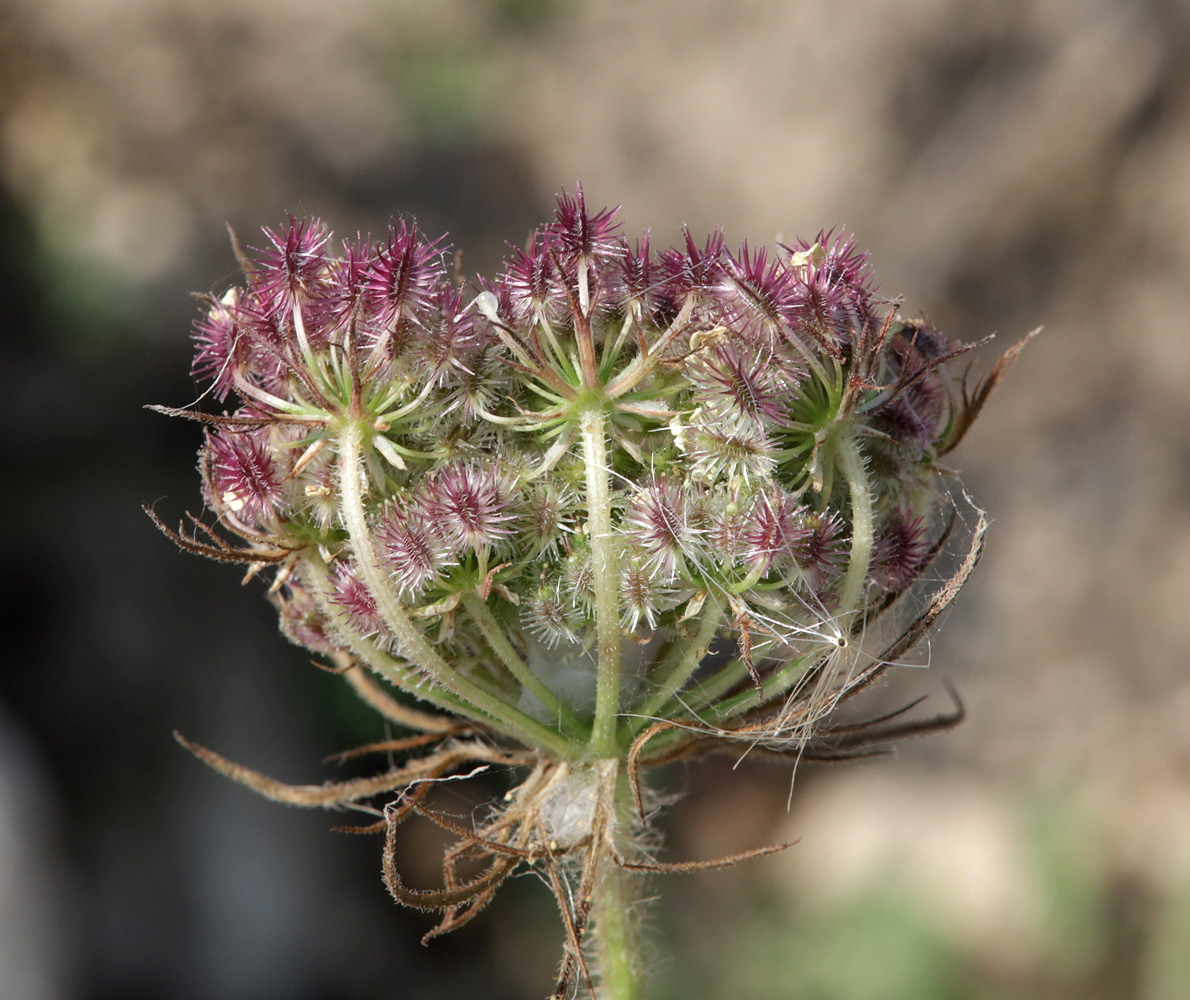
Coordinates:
[605,567]
[614,932]
[614,946]
[852,464]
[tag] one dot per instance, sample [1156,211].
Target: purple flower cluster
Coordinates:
[766,432]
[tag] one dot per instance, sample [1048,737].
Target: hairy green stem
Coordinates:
[614,930]
[411,640]
[482,615]
[851,463]
[614,948]
[693,652]
[776,685]
[605,567]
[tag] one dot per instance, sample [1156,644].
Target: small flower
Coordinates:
[727,524]
[268,343]
[773,528]
[551,616]
[658,524]
[912,418]
[900,550]
[475,383]
[404,275]
[242,476]
[548,516]
[741,383]
[638,294]
[220,346]
[302,623]
[692,271]
[921,339]
[315,491]
[531,284]
[581,236]
[833,287]
[578,580]
[412,548]
[759,295]
[293,267]
[716,450]
[820,551]
[913,413]
[584,244]
[356,601]
[471,505]
[446,341]
[643,597]
[347,277]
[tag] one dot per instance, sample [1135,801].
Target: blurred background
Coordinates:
[1009,163]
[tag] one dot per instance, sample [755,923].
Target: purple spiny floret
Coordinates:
[357,602]
[659,526]
[242,477]
[758,295]
[295,265]
[531,285]
[821,551]
[270,351]
[301,620]
[343,297]
[449,339]
[411,547]
[912,418]
[403,276]
[638,294]
[740,382]
[692,271]
[773,527]
[644,596]
[471,505]
[901,549]
[219,346]
[834,287]
[580,236]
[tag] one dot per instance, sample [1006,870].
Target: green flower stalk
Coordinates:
[606,510]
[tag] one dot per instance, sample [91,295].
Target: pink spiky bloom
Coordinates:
[901,548]
[659,526]
[219,347]
[773,528]
[413,548]
[243,477]
[581,239]
[293,267]
[692,271]
[470,505]
[758,294]
[532,284]
[356,602]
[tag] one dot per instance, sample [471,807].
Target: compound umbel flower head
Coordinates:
[533,507]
